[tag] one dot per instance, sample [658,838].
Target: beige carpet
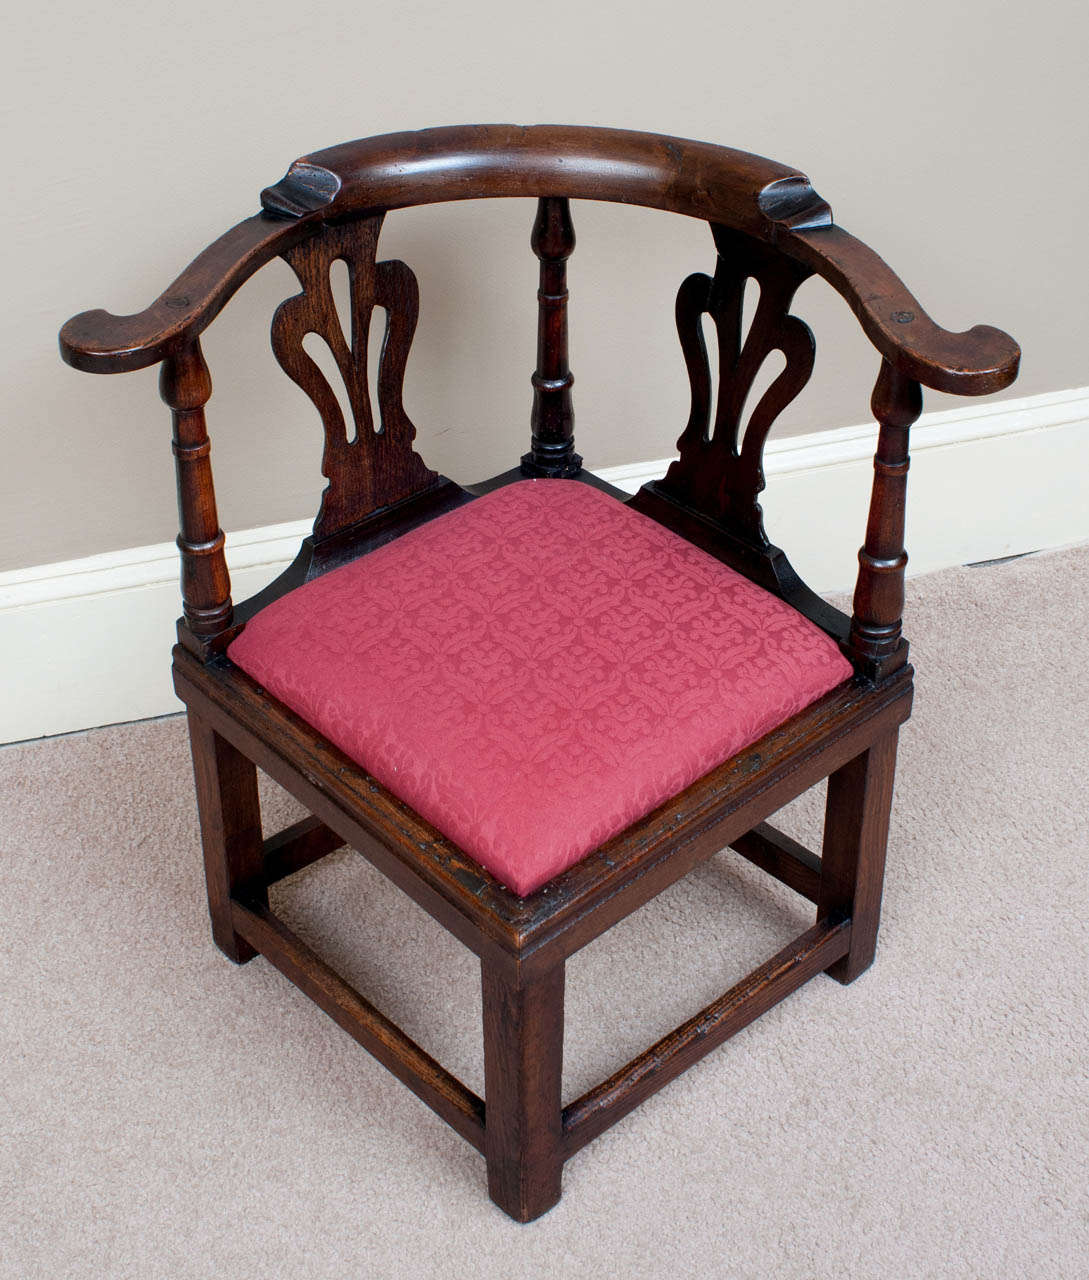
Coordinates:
[166,1114]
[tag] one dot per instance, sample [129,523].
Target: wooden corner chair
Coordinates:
[535,703]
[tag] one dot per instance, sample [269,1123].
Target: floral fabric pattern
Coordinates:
[537,670]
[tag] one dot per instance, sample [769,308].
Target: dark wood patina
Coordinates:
[769,226]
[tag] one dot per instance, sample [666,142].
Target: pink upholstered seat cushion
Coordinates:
[538,669]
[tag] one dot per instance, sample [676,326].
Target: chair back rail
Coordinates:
[770,201]
[186,386]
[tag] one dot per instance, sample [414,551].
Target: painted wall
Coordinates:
[951,136]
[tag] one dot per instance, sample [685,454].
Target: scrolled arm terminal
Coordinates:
[98,342]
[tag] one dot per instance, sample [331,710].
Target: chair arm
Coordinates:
[98,342]
[973,363]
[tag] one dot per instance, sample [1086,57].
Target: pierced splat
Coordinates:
[720,471]
[370,464]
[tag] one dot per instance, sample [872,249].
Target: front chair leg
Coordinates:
[856,831]
[523,1068]
[230,829]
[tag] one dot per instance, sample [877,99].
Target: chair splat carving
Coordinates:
[720,471]
[378,466]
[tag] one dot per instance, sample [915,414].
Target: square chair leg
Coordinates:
[523,1068]
[856,831]
[230,829]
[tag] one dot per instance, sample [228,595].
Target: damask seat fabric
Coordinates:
[538,669]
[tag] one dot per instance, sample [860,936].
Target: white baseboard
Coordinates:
[85,642]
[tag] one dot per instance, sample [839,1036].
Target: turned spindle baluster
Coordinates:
[875,640]
[552,450]
[185,385]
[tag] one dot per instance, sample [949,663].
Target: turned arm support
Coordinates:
[98,342]
[973,363]
[874,643]
[186,385]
